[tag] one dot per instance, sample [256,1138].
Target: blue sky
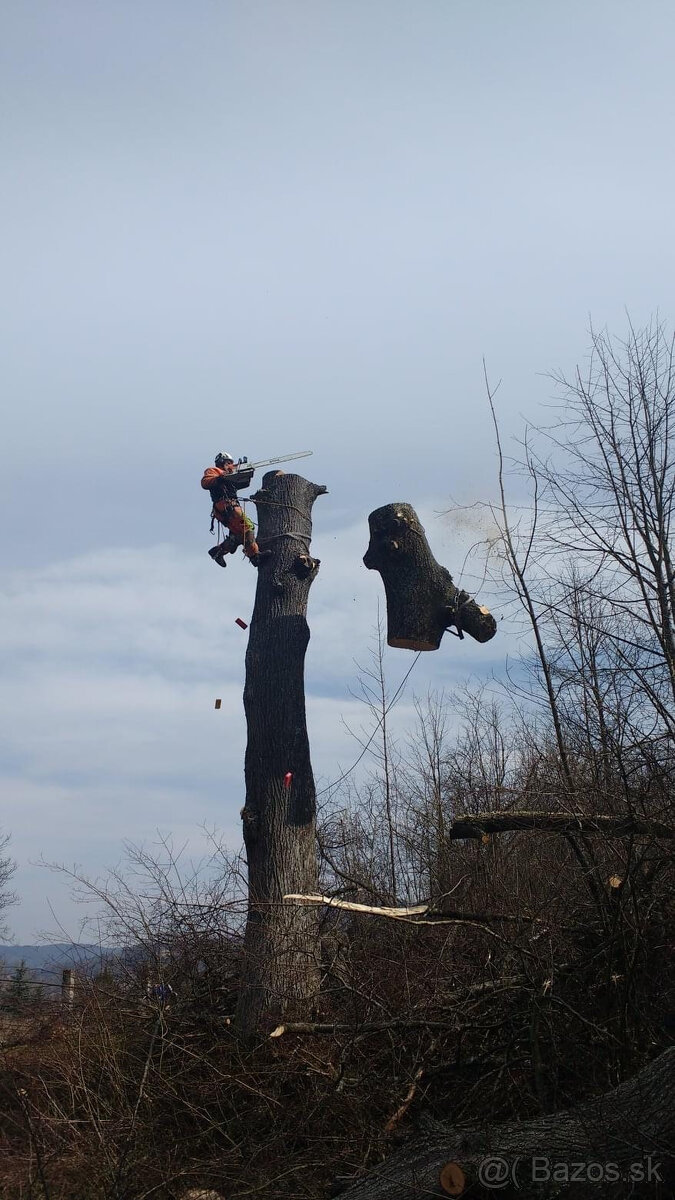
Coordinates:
[264,227]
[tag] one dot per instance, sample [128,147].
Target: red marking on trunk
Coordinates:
[288,779]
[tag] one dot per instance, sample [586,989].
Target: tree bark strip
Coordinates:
[415,914]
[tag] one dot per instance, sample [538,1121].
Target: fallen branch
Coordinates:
[405,1105]
[327,1028]
[396,914]
[614,827]
[451,1000]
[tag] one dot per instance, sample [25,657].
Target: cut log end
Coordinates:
[411,644]
[452,1179]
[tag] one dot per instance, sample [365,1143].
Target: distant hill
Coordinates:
[47,962]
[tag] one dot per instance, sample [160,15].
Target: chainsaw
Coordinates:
[268,462]
[242,472]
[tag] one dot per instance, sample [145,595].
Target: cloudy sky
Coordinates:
[268,226]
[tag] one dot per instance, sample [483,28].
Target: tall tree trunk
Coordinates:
[280,970]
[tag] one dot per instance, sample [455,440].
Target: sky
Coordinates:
[263,227]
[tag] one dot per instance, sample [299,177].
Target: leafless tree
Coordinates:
[7,869]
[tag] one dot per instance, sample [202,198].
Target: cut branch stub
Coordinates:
[422,600]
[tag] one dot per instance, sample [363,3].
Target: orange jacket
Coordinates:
[213,474]
[223,492]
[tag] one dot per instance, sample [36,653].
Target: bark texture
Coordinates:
[422,600]
[280,971]
[630,1125]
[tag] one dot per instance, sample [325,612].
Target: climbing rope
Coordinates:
[304,538]
[282,504]
[299,537]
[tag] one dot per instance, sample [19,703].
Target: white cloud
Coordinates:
[114,660]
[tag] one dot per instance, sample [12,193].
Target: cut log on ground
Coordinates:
[422,600]
[630,1129]
[280,972]
[612,827]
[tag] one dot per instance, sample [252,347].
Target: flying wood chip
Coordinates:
[218,703]
[242,624]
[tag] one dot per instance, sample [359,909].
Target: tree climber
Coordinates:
[222,481]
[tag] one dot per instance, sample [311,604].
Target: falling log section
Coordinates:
[422,600]
[280,970]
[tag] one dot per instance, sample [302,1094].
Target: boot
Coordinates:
[216,553]
[252,550]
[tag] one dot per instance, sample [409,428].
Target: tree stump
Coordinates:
[422,600]
[281,967]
